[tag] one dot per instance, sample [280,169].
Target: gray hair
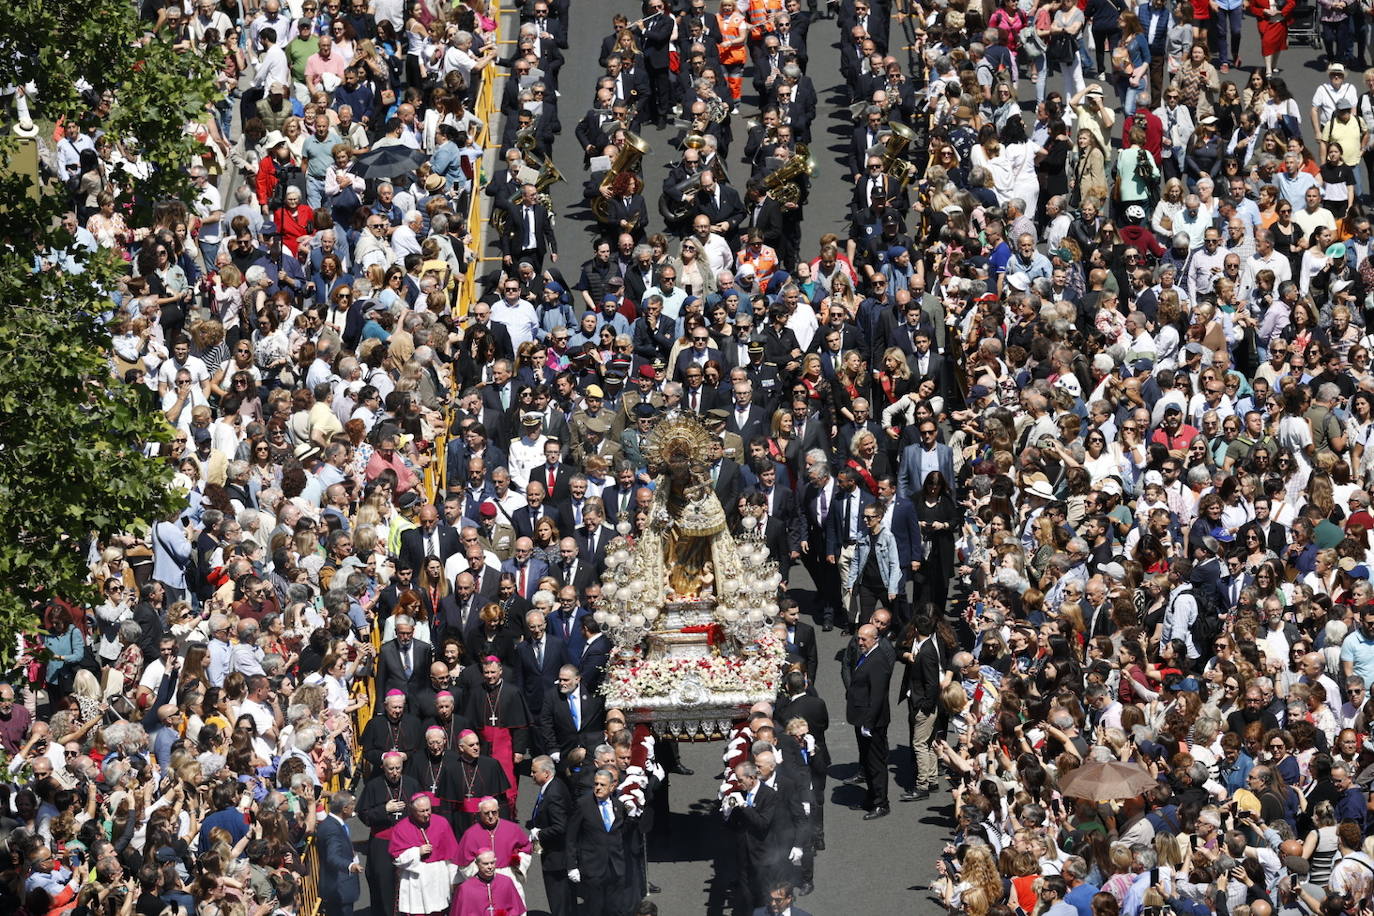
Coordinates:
[339,802]
[306,737]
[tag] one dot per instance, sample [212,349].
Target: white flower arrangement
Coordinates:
[757,673]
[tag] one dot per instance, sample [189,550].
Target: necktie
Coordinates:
[529,227]
[750,800]
[539,800]
[696,401]
[823,508]
[405,662]
[845,511]
[607,817]
[539,654]
[553,479]
[523,569]
[574,712]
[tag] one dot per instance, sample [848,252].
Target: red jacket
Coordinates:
[1154,131]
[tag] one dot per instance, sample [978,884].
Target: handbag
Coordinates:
[1061,48]
[1032,43]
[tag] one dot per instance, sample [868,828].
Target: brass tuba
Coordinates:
[899,138]
[783,183]
[626,161]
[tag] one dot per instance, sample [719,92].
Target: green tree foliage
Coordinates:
[71,436]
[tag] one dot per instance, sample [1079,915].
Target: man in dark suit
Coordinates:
[719,203]
[593,132]
[866,708]
[817,499]
[431,539]
[899,517]
[596,653]
[524,519]
[656,34]
[570,715]
[596,848]
[340,887]
[925,362]
[875,190]
[725,477]
[593,537]
[480,313]
[1272,534]
[571,569]
[746,419]
[525,567]
[873,23]
[548,823]
[698,354]
[844,527]
[458,610]
[628,87]
[565,622]
[697,396]
[752,814]
[801,635]
[529,232]
[923,702]
[924,456]
[866,135]
[653,333]
[799,700]
[403,662]
[486,579]
[555,470]
[780,896]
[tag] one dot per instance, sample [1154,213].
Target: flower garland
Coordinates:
[754,673]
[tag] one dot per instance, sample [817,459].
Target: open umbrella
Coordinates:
[1106,781]
[388,162]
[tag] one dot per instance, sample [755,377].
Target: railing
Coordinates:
[435,477]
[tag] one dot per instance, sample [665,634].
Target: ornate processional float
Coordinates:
[687,606]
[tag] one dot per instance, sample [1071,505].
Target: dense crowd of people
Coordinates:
[1068,431]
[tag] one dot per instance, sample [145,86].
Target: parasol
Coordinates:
[1106,781]
[388,162]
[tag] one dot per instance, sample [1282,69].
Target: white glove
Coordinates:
[556,756]
[795,856]
[806,808]
[534,831]
[810,743]
[574,876]
[866,732]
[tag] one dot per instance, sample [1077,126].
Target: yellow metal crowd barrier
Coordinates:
[435,475]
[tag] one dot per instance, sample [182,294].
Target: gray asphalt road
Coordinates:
[692,859]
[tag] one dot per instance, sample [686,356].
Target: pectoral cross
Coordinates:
[492,718]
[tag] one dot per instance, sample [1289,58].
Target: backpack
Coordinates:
[1208,625]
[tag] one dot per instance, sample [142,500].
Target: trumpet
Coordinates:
[770,136]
